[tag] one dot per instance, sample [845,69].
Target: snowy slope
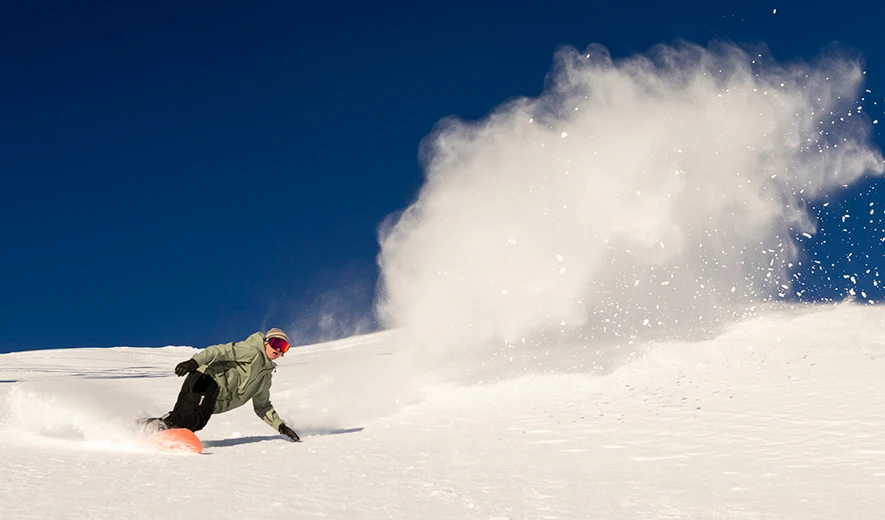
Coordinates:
[779,417]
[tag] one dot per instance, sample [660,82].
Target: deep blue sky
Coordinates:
[186,175]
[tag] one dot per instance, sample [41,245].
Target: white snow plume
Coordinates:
[68,410]
[638,195]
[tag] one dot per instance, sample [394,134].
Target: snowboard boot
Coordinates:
[152,424]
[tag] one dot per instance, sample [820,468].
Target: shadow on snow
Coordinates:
[224,443]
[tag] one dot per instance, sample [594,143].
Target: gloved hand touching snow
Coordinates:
[290,433]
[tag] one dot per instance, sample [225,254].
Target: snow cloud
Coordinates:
[637,195]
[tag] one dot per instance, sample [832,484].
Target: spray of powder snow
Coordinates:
[649,195]
[72,410]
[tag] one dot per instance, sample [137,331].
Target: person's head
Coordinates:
[276,343]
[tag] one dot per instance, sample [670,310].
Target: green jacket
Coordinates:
[243,372]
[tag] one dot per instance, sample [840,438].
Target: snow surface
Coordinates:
[781,416]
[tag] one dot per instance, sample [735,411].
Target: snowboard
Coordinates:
[177,439]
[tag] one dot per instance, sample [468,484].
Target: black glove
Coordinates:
[185,367]
[290,433]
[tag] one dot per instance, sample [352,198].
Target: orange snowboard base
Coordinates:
[178,439]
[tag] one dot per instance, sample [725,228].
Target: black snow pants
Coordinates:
[195,403]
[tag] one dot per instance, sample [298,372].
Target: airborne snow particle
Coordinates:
[564,135]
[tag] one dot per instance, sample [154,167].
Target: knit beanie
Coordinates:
[276,333]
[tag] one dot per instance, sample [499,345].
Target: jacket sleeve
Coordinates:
[265,410]
[224,352]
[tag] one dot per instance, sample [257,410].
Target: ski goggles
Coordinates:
[279,344]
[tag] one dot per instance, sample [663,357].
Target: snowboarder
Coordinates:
[223,377]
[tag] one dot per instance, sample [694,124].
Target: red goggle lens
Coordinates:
[279,344]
